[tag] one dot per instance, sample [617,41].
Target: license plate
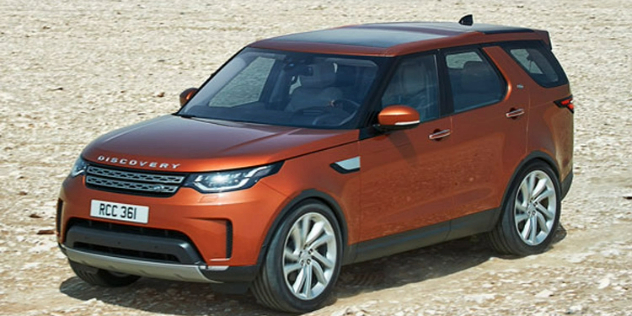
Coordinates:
[119,211]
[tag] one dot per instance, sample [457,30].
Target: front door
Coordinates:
[405,179]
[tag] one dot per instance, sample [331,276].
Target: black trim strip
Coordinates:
[412,239]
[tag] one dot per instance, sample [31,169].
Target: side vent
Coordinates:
[467,20]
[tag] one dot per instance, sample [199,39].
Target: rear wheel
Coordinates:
[303,261]
[100,277]
[530,214]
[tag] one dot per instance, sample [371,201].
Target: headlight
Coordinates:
[224,181]
[79,168]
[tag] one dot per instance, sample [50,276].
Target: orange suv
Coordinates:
[309,151]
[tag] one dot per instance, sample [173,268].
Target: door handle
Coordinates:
[514,113]
[438,135]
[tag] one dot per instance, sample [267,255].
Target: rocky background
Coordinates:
[71,70]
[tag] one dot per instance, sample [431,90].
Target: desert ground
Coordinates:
[71,70]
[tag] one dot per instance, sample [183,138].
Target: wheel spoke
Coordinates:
[525,192]
[287,269]
[542,223]
[305,228]
[546,194]
[521,218]
[300,280]
[296,236]
[534,229]
[320,258]
[290,254]
[520,206]
[530,184]
[526,230]
[314,233]
[320,274]
[308,281]
[320,241]
[540,186]
[548,214]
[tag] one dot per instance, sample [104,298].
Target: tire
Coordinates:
[306,249]
[533,200]
[100,277]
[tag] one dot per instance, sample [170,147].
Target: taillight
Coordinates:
[566,103]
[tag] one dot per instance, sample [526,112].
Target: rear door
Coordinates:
[489,132]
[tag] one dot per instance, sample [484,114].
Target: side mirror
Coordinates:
[397,117]
[186,95]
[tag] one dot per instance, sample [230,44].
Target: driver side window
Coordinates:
[415,84]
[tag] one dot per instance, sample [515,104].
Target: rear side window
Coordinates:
[474,81]
[538,61]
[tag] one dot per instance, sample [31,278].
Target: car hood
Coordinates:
[177,144]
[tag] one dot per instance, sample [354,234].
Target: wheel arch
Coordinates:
[287,209]
[531,158]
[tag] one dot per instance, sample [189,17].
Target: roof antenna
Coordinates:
[467,20]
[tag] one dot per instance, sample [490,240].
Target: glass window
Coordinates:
[473,80]
[539,63]
[415,83]
[245,87]
[288,88]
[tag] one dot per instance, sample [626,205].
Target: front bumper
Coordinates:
[170,258]
[159,270]
[200,273]
[224,229]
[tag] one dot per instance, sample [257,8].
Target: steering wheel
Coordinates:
[346,105]
[342,110]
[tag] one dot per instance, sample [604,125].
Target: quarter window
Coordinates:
[473,80]
[415,83]
[539,63]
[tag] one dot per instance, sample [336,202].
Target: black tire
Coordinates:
[272,285]
[100,277]
[508,235]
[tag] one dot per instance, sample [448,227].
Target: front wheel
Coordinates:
[303,262]
[530,213]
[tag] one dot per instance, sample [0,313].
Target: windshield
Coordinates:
[288,88]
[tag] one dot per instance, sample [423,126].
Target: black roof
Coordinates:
[384,35]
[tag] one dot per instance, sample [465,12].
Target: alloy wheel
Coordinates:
[309,256]
[535,208]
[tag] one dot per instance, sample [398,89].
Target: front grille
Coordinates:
[105,178]
[134,254]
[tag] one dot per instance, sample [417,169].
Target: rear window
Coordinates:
[538,61]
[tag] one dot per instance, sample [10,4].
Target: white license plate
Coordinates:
[119,211]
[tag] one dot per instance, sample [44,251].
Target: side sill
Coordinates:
[457,228]
[473,224]
[413,239]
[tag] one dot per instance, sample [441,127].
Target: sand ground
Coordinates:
[71,70]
